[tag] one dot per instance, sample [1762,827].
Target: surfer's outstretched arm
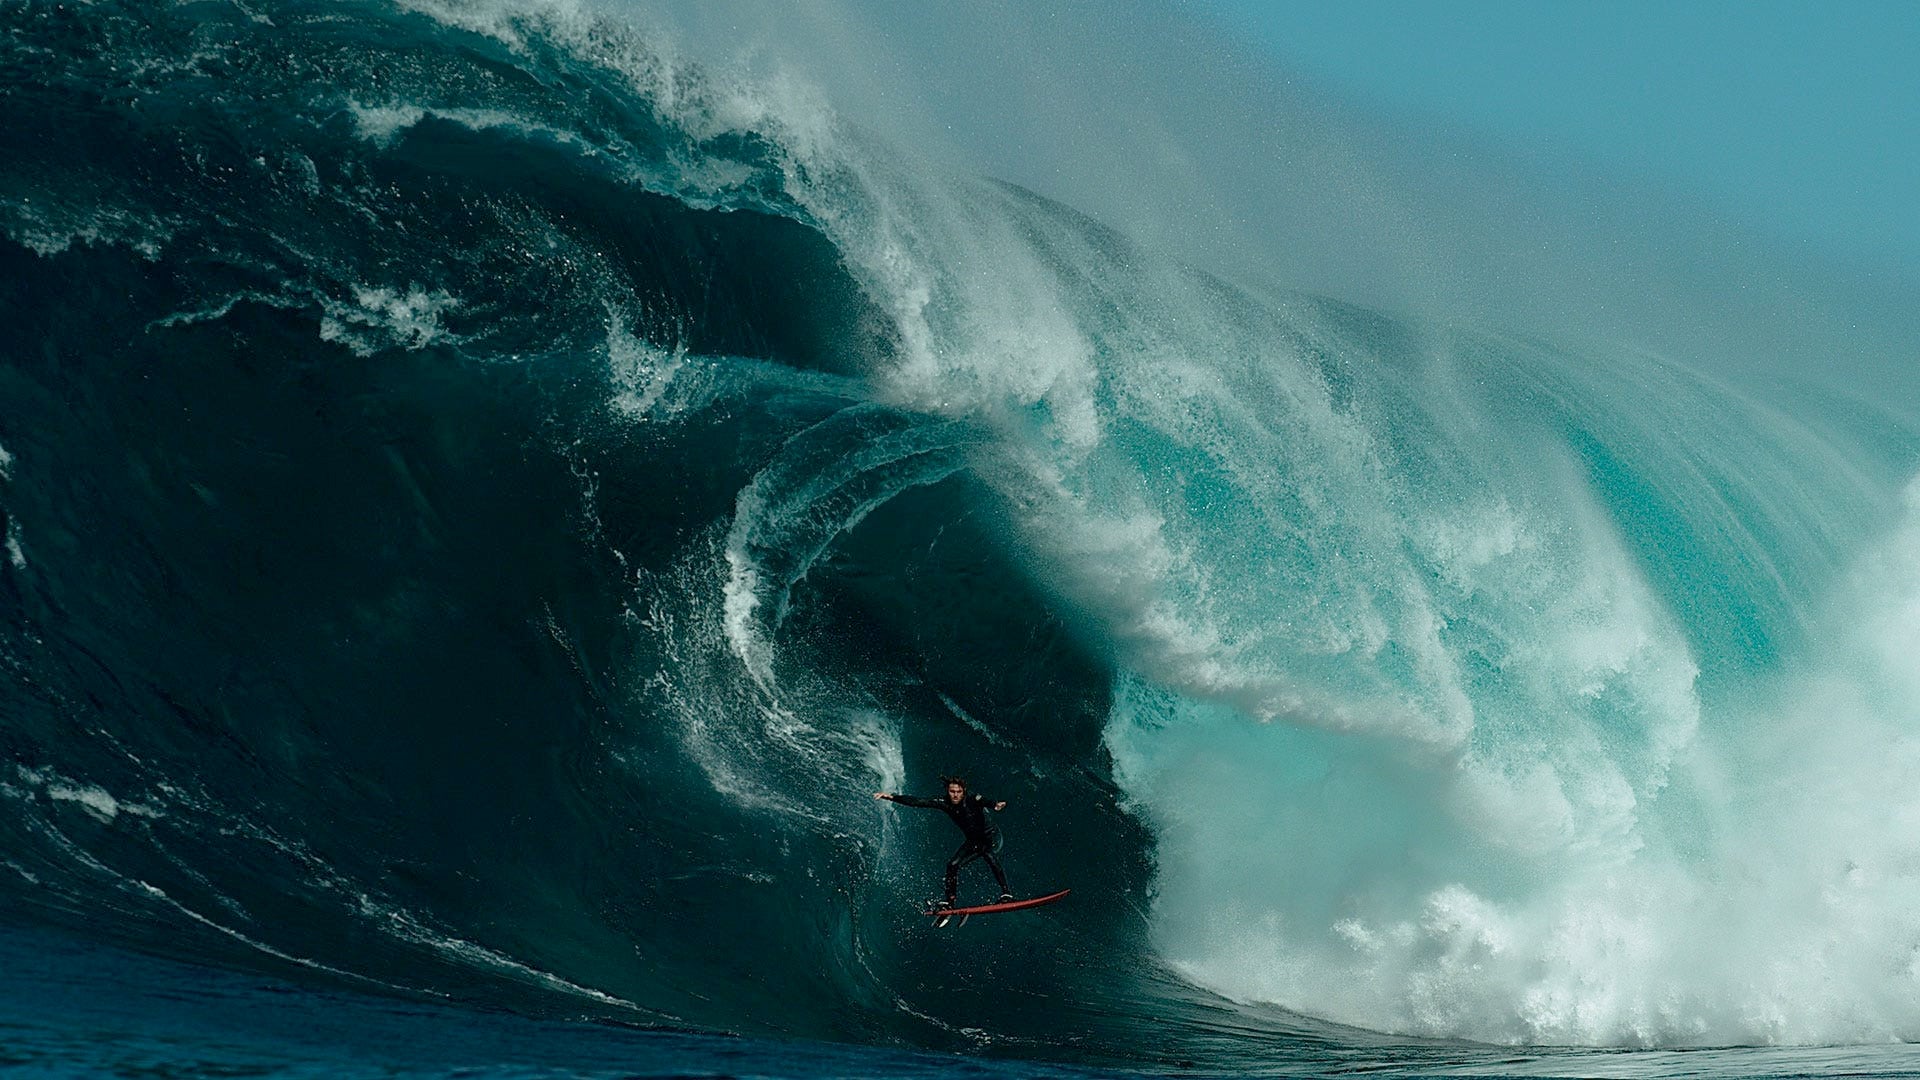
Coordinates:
[909,800]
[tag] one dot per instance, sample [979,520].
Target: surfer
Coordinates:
[970,813]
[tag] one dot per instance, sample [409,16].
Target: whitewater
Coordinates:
[489,490]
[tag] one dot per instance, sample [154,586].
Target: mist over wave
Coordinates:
[490,490]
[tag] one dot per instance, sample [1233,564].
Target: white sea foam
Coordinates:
[50,230]
[382,124]
[92,798]
[97,802]
[16,551]
[878,737]
[1746,872]
[380,317]
[650,383]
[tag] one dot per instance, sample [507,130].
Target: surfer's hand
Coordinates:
[1001,805]
[881,795]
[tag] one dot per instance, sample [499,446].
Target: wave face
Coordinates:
[486,501]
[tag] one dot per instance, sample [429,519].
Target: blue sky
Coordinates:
[1799,118]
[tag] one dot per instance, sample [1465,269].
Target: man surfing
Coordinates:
[969,812]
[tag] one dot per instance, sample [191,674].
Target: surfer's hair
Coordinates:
[946,781]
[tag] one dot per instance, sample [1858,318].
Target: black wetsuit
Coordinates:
[983,840]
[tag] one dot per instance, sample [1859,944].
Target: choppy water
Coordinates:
[74,1008]
[486,500]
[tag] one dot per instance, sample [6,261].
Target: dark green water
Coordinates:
[485,504]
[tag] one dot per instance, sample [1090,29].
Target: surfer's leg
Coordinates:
[993,864]
[999,875]
[962,857]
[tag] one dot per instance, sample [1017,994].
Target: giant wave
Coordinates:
[486,498]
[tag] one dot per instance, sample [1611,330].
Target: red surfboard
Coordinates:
[1011,905]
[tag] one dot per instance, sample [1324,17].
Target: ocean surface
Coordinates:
[74,1008]
[487,499]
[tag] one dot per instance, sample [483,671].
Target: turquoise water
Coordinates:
[488,498]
